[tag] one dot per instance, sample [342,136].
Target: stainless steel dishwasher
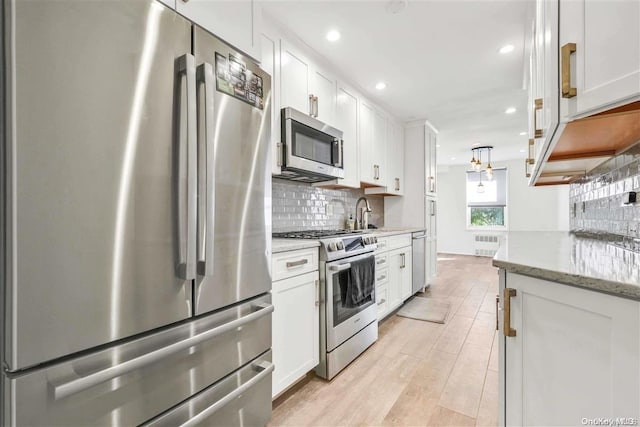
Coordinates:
[419,276]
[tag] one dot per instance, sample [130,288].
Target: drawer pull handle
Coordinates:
[567,90]
[107,374]
[381,261]
[508,294]
[298,263]
[382,301]
[382,277]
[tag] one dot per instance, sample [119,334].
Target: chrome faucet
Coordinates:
[361,224]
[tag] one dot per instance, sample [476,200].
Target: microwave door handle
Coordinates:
[187,215]
[337,144]
[206,191]
[340,152]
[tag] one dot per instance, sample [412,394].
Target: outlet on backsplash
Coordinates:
[301,206]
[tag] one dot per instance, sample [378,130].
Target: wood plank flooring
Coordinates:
[417,373]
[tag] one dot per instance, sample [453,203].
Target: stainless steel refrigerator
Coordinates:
[135,219]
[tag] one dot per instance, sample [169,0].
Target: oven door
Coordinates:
[312,146]
[343,322]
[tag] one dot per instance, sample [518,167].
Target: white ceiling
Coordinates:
[439,59]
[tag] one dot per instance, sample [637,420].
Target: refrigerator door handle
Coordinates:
[83,383]
[206,188]
[265,369]
[187,262]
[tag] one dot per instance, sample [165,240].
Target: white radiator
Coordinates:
[486,244]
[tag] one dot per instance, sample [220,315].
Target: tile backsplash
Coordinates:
[596,202]
[301,206]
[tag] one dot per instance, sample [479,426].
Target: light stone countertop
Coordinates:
[578,261]
[286,245]
[393,231]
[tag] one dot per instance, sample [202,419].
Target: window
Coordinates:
[487,209]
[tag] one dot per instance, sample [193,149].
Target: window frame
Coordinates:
[504,227]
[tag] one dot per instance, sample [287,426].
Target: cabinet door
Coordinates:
[606,64]
[380,145]
[430,160]
[324,88]
[270,62]
[432,266]
[296,329]
[406,273]
[395,159]
[366,144]
[394,287]
[574,357]
[295,70]
[347,121]
[235,22]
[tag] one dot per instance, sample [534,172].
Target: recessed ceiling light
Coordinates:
[381,85]
[437,145]
[522,151]
[506,49]
[453,158]
[333,36]
[522,133]
[510,110]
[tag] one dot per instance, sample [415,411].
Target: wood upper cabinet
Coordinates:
[575,354]
[604,70]
[305,86]
[236,22]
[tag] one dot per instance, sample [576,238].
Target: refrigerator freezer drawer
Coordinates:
[241,399]
[133,382]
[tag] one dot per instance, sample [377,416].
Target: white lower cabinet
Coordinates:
[574,355]
[393,272]
[296,328]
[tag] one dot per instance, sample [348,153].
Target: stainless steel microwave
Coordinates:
[310,151]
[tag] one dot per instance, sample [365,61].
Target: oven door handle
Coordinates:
[340,267]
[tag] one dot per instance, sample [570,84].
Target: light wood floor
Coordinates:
[417,373]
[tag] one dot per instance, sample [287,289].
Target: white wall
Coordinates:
[528,208]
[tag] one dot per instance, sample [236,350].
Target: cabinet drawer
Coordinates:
[382,261]
[399,241]
[382,275]
[383,244]
[294,263]
[382,300]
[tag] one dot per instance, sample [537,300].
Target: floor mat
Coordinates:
[427,309]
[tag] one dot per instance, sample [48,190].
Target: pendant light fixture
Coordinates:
[476,160]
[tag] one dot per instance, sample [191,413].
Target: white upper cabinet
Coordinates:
[295,69]
[323,88]
[305,86]
[347,122]
[236,22]
[269,46]
[395,159]
[380,146]
[366,145]
[604,70]
[431,160]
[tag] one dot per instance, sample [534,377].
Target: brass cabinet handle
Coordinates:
[507,294]
[526,168]
[567,90]
[537,107]
[532,143]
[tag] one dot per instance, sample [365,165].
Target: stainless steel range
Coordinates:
[348,313]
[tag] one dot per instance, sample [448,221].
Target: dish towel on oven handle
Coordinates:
[360,282]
